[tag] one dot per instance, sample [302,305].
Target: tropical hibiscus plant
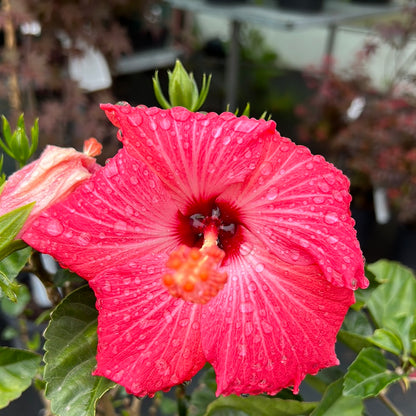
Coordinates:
[211,256]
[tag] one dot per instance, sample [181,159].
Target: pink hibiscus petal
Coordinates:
[122,213]
[147,340]
[298,205]
[195,155]
[272,324]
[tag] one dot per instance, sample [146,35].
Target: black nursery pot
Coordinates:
[311,6]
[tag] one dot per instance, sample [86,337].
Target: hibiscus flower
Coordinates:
[49,179]
[209,238]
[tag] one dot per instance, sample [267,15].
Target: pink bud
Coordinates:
[47,180]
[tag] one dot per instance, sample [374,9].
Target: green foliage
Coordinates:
[258,406]
[9,269]
[334,403]
[10,225]
[71,344]
[17,369]
[182,89]
[17,144]
[368,375]
[392,305]
[2,175]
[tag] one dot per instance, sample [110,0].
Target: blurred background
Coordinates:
[335,75]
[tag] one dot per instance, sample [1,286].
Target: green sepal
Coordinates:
[182,89]
[164,103]
[17,369]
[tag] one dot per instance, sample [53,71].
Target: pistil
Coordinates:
[195,276]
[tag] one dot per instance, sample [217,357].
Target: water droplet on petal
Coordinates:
[259,267]
[165,124]
[226,140]
[267,328]
[246,307]
[84,239]
[266,168]
[272,194]
[54,228]
[135,119]
[331,218]
[245,249]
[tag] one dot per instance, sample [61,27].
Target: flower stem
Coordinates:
[36,267]
[389,404]
[181,400]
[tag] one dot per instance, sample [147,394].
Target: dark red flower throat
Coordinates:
[209,232]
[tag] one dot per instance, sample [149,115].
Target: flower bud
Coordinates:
[17,144]
[47,180]
[182,89]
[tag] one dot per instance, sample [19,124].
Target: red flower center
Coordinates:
[209,233]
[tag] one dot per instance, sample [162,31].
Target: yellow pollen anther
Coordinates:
[195,276]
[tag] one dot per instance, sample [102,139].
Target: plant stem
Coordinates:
[36,267]
[10,44]
[181,400]
[388,403]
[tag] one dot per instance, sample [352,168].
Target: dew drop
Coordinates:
[245,249]
[266,168]
[272,194]
[120,227]
[245,126]
[267,328]
[84,239]
[226,140]
[309,166]
[323,186]
[252,287]
[135,119]
[246,307]
[331,218]
[54,228]
[165,124]
[216,132]
[318,199]
[180,113]
[259,267]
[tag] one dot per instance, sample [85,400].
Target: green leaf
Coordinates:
[16,308]
[17,369]
[14,263]
[387,340]
[10,225]
[355,331]
[393,304]
[368,374]
[62,276]
[334,403]
[9,288]
[258,406]
[71,344]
